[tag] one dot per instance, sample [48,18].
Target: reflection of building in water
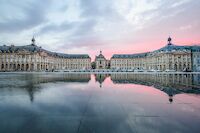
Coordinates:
[100,78]
[162,79]
[170,99]
[34,58]
[170,57]
[69,77]
[171,84]
[30,82]
[196,79]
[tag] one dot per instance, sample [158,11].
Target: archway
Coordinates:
[22,67]
[2,66]
[18,67]
[27,67]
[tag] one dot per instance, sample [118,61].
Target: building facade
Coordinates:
[101,62]
[34,58]
[170,57]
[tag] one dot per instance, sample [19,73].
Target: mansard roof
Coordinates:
[172,47]
[167,48]
[34,48]
[195,48]
[129,55]
[73,55]
[31,48]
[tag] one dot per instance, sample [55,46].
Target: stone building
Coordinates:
[170,57]
[101,62]
[34,58]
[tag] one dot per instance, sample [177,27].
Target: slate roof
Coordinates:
[172,47]
[35,48]
[129,55]
[100,56]
[195,48]
[167,48]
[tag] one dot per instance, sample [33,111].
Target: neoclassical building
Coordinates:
[34,58]
[101,62]
[170,57]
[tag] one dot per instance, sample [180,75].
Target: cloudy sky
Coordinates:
[88,26]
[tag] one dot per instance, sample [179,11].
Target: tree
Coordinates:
[93,65]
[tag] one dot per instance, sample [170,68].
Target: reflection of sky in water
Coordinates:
[52,102]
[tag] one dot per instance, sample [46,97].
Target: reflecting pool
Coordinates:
[99,103]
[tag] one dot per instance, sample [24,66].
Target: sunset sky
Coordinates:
[88,26]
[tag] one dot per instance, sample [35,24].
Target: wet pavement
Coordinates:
[102,103]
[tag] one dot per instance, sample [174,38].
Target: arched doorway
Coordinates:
[18,67]
[27,67]
[22,67]
[2,66]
